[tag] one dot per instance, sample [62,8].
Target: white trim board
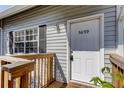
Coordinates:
[101,17]
[120,44]
[1,40]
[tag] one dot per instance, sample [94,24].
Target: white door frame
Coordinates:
[97,16]
[120,45]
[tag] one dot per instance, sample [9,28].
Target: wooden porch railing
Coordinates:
[117,67]
[14,72]
[39,74]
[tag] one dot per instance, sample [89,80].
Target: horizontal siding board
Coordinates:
[57,35]
[108,65]
[110,33]
[110,23]
[110,14]
[57,45]
[57,40]
[107,61]
[109,43]
[110,37]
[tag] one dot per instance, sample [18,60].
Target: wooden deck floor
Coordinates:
[57,84]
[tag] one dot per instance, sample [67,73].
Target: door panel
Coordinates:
[85,47]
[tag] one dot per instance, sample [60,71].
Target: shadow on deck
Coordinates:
[57,84]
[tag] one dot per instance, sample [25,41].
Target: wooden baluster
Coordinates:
[30,75]
[35,74]
[24,81]
[1,74]
[10,84]
[120,82]
[6,79]
[123,77]
[29,83]
[51,69]
[17,85]
[115,70]
[2,79]
[48,70]
[38,73]
[10,81]
[41,78]
[45,72]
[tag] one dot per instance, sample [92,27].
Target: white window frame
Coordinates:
[25,38]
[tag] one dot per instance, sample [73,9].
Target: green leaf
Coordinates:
[96,80]
[123,82]
[118,76]
[107,85]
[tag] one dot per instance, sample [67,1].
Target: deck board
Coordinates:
[57,84]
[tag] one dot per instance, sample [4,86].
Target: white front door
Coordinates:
[85,49]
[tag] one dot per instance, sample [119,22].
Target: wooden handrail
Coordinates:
[28,70]
[117,67]
[34,55]
[117,60]
[15,68]
[43,72]
[21,70]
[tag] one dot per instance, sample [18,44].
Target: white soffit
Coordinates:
[13,10]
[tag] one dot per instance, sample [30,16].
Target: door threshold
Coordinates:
[84,83]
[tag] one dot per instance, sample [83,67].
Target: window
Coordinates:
[26,41]
[31,40]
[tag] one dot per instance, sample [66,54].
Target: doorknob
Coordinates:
[71,57]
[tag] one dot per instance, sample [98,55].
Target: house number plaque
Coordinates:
[83,31]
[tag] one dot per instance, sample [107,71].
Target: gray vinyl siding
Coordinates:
[57,40]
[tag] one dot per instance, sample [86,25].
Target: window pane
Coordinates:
[27,38]
[35,31]
[15,33]
[35,37]
[27,32]
[31,37]
[31,31]
[31,47]
[19,47]
[16,39]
